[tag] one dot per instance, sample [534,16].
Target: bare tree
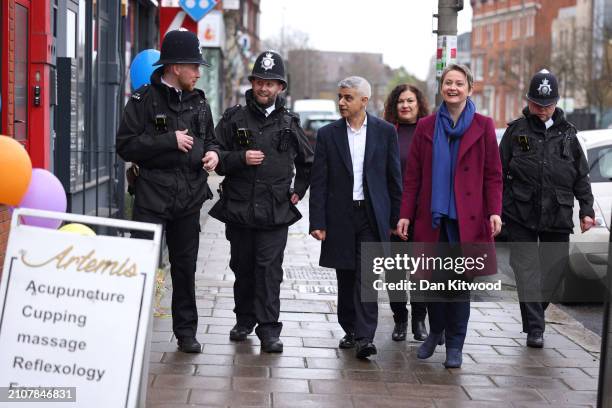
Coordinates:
[286,40]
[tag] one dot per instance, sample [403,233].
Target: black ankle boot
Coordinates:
[419,330]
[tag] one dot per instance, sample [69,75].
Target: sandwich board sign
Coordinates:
[75,314]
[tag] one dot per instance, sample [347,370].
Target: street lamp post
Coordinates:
[447,36]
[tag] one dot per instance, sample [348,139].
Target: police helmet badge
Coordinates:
[545,88]
[267,62]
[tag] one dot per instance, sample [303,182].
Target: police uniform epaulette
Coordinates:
[201,92]
[512,122]
[294,115]
[140,92]
[229,112]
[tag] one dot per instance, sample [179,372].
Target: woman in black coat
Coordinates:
[404,106]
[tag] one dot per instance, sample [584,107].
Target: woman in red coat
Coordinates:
[452,193]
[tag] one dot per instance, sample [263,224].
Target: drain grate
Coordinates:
[310,273]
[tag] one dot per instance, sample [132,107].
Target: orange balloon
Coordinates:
[15,171]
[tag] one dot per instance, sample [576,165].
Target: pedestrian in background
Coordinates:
[452,194]
[168,133]
[544,168]
[261,144]
[355,195]
[404,106]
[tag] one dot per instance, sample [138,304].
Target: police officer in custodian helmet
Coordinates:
[544,168]
[261,145]
[168,132]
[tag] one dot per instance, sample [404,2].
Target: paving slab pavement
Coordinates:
[498,370]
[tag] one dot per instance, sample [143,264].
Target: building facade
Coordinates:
[315,74]
[62,89]
[511,40]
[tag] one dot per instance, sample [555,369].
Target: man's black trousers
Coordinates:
[539,261]
[257,263]
[355,315]
[183,239]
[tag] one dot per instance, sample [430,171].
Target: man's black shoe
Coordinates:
[347,342]
[239,333]
[419,330]
[272,345]
[189,345]
[365,349]
[399,331]
[535,339]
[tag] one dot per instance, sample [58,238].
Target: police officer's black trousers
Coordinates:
[182,238]
[257,262]
[539,261]
[357,306]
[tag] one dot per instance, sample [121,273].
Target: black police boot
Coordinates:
[189,345]
[535,339]
[239,333]
[419,330]
[365,349]
[399,331]
[272,345]
[347,342]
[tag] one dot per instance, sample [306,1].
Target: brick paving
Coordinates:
[498,370]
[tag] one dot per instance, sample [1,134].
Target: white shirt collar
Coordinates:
[270,109]
[365,123]
[549,123]
[163,81]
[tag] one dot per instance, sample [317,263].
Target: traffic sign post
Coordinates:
[197,9]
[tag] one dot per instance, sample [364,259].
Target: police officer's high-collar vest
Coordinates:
[170,180]
[542,168]
[259,195]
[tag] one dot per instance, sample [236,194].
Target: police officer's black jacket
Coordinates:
[170,180]
[543,170]
[258,196]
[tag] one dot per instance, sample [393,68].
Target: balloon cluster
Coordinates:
[24,187]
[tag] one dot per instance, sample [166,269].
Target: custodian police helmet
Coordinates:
[543,89]
[269,65]
[181,47]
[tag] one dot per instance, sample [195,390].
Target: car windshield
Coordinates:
[600,164]
[318,124]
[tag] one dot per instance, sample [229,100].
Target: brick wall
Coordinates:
[489,16]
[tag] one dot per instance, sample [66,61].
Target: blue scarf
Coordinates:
[446,142]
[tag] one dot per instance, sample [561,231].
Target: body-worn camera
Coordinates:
[244,138]
[285,139]
[161,122]
[524,143]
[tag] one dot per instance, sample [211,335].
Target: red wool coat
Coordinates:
[478,181]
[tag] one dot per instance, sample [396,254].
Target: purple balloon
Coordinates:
[45,192]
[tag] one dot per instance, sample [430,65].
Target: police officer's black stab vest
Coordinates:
[543,170]
[170,180]
[259,196]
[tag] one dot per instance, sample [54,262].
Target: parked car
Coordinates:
[314,107]
[588,259]
[314,123]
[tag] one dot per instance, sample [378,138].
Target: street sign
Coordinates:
[173,18]
[211,30]
[75,311]
[446,52]
[197,9]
